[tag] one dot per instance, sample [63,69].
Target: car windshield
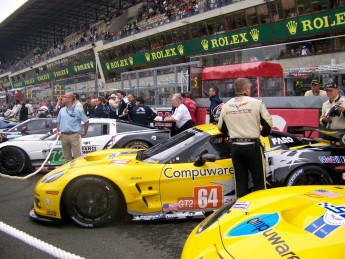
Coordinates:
[163,152]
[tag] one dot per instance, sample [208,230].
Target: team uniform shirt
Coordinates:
[310,93]
[244,110]
[70,119]
[181,115]
[337,122]
[141,115]
[191,106]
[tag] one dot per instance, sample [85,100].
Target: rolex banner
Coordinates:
[285,29]
[66,72]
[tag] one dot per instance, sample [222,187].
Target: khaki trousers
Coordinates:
[70,143]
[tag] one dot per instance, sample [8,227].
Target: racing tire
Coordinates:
[138,144]
[14,161]
[309,175]
[92,202]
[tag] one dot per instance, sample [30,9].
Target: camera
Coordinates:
[334,112]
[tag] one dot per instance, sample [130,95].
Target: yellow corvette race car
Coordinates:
[189,175]
[288,222]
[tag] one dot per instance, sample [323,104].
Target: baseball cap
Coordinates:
[315,82]
[331,86]
[112,96]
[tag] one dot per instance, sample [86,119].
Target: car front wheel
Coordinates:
[92,202]
[13,161]
[309,175]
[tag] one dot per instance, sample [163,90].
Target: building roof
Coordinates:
[45,22]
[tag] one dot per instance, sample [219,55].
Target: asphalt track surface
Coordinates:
[164,239]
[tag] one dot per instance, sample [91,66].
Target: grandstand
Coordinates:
[154,48]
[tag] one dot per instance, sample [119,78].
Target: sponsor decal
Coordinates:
[51,213]
[47,201]
[333,218]
[254,225]
[241,205]
[282,140]
[332,159]
[119,162]
[170,206]
[295,176]
[185,203]
[88,149]
[279,244]
[169,172]
[208,197]
[323,194]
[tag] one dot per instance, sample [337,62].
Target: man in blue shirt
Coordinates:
[69,124]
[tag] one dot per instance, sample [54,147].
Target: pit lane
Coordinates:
[118,240]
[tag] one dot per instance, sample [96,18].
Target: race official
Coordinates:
[332,114]
[69,125]
[241,117]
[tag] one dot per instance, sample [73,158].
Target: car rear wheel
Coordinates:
[14,161]
[92,202]
[309,175]
[137,144]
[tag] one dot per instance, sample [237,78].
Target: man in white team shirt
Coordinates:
[181,115]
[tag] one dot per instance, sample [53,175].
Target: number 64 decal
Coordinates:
[208,197]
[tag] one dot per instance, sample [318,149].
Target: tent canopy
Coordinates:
[253,69]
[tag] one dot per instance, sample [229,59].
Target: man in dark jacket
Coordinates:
[141,114]
[98,111]
[215,101]
[23,112]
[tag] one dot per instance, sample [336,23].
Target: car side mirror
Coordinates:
[201,160]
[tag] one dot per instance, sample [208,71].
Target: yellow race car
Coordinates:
[287,222]
[187,176]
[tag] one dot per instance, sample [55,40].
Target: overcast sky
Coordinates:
[9,6]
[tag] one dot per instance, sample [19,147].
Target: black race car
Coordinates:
[321,162]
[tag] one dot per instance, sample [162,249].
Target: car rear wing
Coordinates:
[333,136]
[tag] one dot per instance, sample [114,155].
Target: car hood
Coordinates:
[307,222]
[102,157]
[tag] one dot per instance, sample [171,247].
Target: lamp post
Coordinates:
[96,75]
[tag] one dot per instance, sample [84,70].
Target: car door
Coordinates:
[186,187]
[96,138]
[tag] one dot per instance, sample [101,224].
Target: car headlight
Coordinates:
[53,177]
[215,217]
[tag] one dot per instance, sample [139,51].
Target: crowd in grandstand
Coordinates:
[152,13]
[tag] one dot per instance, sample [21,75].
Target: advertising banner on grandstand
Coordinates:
[66,72]
[294,27]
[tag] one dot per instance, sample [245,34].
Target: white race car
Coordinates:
[26,153]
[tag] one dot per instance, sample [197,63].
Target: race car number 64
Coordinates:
[208,197]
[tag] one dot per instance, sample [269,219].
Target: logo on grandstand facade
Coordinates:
[292,27]
[91,64]
[180,49]
[130,59]
[148,57]
[255,34]
[204,44]
[108,66]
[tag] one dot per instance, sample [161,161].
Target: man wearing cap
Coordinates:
[315,89]
[332,115]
